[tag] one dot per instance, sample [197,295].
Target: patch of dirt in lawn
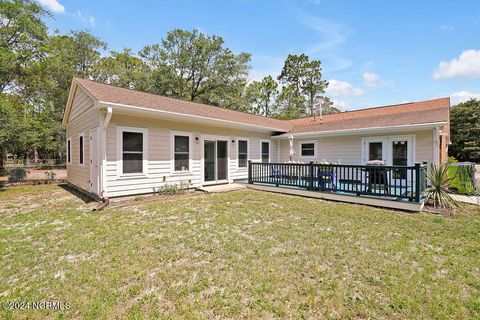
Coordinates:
[26,203]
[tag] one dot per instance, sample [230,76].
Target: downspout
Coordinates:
[107,118]
[106,122]
[436,143]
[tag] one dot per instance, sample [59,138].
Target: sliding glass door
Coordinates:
[215,160]
[209,160]
[222,160]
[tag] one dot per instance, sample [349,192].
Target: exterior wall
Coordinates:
[348,149]
[81,119]
[160,155]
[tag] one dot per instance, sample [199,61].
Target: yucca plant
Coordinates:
[437,194]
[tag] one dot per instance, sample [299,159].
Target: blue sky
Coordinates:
[372,52]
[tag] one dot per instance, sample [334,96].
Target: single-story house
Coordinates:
[124,142]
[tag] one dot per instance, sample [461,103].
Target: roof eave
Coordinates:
[124,108]
[418,126]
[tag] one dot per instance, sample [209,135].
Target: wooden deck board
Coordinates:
[392,204]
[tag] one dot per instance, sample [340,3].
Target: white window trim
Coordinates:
[387,150]
[269,149]
[315,149]
[81,134]
[69,152]
[248,152]
[172,152]
[144,131]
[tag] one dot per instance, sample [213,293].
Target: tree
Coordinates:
[47,84]
[465,131]
[312,84]
[122,69]
[194,66]
[261,95]
[22,33]
[290,105]
[302,83]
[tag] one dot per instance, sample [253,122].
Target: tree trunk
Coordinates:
[35,155]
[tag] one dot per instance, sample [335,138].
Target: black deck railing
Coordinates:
[394,182]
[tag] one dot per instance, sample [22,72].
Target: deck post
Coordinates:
[310,167]
[417,182]
[249,171]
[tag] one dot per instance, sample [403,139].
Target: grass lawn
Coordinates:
[245,254]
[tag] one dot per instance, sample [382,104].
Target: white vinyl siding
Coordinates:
[348,149]
[160,154]
[81,119]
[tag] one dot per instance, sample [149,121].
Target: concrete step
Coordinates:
[221,188]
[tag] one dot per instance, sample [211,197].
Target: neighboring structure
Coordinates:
[124,142]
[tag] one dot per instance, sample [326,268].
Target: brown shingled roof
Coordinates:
[429,111]
[108,93]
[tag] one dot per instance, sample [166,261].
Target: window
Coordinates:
[80,149]
[308,149]
[132,152]
[69,150]
[242,153]
[375,151]
[181,153]
[265,149]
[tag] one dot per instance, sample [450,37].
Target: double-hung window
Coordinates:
[308,149]
[132,144]
[132,152]
[242,153]
[181,152]
[265,151]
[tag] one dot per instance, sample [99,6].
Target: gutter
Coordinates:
[182,116]
[429,125]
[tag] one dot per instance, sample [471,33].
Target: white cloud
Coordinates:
[53,5]
[371,79]
[341,104]
[85,18]
[463,96]
[264,65]
[330,36]
[343,89]
[447,27]
[332,33]
[467,66]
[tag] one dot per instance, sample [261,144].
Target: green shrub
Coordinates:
[171,189]
[462,178]
[451,159]
[16,174]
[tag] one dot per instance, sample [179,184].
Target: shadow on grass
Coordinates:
[77,193]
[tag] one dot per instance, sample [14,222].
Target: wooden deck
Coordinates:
[370,201]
